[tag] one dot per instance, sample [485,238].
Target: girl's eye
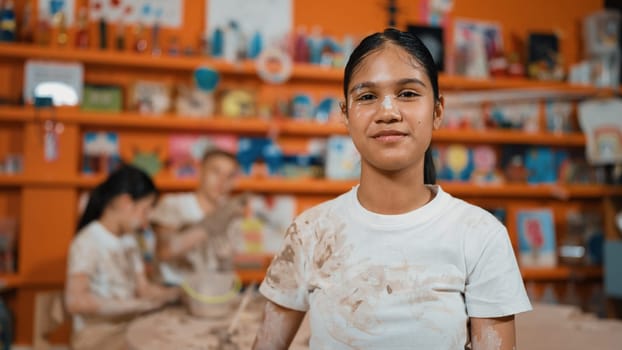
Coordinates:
[366,97]
[408,94]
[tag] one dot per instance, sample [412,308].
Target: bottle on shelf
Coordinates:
[102,25]
[155,39]
[7,22]
[119,40]
[26,33]
[82,33]
[43,30]
[60,25]
[140,43]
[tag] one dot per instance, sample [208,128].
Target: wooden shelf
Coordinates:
[531,191]
[336,187]
[7,180]
[129,120]
[466,83]
[300,71]
[124,59]
[508,137]
[8,281]
[15,114]
[309,128]
[264,185]
[562,273]
[147,61]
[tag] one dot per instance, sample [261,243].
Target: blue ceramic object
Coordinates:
[206,78]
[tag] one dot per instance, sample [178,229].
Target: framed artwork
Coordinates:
[434,40]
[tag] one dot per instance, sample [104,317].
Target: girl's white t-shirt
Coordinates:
[408,281]
[112,263]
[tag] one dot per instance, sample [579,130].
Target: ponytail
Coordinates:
[429,171]
[125,180]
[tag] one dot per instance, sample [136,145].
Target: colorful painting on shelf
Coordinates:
[186,151]
[536,237]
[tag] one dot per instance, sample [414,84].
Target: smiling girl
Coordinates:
[396,262]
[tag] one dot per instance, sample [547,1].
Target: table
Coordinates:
[546,327]
[566,327]
[176,328]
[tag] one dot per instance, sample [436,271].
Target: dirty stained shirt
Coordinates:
[407,281]
[112,264]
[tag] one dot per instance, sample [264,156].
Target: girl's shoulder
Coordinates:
[324,211]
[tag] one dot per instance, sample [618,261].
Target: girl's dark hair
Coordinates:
[417,50]
[127,179]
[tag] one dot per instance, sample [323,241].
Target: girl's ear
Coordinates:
[344,112]
[439,109]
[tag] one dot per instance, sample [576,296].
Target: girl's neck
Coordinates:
[392,193]
[111,224]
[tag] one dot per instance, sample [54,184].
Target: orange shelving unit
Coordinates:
[172,122]
[300,71]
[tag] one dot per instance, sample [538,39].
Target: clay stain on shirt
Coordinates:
[278,273]
[325,255]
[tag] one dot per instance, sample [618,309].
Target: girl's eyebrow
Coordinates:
[405,81]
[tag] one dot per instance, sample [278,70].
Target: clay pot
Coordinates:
[212,295]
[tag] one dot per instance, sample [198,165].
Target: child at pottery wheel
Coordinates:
[396,262]
[106,283]
[193,230]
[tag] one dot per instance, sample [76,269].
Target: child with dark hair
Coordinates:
[106,284]
[396,262]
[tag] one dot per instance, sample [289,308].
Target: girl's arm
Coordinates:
[154,292]
[278,327]
[171,245]
[80,300]
[493,333]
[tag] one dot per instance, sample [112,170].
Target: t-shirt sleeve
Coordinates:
[494,286]
[166,212]
[285,283]
[82,257]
